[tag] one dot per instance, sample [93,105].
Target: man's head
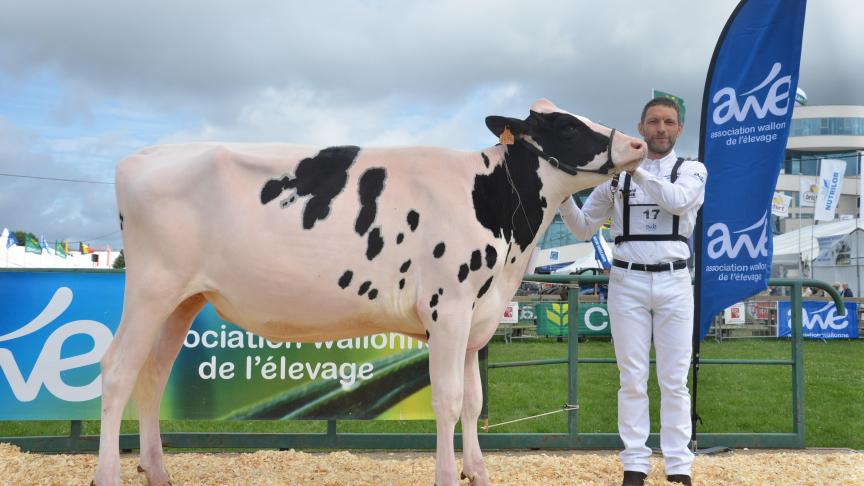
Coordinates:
[660,126]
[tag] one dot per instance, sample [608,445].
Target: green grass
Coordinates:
[732,398]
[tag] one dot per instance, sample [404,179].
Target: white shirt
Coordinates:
[650,184]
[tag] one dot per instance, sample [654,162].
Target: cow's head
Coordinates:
[571,142]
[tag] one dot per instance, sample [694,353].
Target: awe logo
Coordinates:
[825,317]
[723,245]
[49,365]
[776,100]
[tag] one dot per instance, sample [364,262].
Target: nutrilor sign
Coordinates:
[56,326]
[553,320]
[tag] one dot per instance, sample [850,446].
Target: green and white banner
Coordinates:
[553,320]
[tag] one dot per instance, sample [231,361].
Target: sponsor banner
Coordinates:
[820,320]
[735,314]
[601,250]
[511,313]
[746,114]
[56,326]
[808,191]
[830,185]
[834,251]
[780,205]
[553,320]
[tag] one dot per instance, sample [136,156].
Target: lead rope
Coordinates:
[566,408]
[519,198]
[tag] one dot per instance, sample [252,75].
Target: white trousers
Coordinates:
[642,305]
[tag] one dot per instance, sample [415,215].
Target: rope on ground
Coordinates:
[566,408]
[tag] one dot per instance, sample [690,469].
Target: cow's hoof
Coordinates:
[470,479]
[166,483]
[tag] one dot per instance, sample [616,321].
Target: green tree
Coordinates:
[21,236]
[120,262]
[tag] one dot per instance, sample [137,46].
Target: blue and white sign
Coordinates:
[601,250]
[746,114]
[820,319]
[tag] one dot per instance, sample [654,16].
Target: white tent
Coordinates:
[803,243]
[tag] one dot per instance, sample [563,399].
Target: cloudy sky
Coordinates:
[84,83]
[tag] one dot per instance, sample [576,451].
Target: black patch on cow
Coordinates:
[434,301]
[373,293]
[370,187]
[435,315]
[121,221]
[399,238]
[364,287]
[413,219]
[475,260]
[402,283]
[567,138]
[405,266]
[484,288]
[473,305]
[345,279]
[440,291]
[427,335]
[463,272]
[485,159]
[491,256]
[513,212]
[322,177]
[513,260]
[438,252]
[375,244]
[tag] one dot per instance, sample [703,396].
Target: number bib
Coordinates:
[650,219]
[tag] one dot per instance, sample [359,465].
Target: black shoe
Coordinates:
[634,478]
[680,479]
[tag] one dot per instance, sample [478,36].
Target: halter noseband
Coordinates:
[570,168]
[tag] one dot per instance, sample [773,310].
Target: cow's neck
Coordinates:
[517,200]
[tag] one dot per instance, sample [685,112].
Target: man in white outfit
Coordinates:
[653,211]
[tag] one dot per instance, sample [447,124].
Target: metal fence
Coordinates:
[572,438]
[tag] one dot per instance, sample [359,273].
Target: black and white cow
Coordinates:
[428,242]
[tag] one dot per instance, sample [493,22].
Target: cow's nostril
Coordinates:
[636,145]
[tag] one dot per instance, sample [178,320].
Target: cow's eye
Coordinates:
[568,129]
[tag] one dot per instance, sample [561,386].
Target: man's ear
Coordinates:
[639,128]
[497,124]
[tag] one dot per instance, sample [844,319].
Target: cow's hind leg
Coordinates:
[151,385]
[147,305]
[448,341]
[472,404]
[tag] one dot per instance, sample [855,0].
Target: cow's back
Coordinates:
[288,240]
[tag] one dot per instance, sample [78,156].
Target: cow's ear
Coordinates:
[497,124]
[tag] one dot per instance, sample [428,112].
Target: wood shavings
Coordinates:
[553,468]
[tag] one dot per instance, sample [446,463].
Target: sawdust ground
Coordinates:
[522,468]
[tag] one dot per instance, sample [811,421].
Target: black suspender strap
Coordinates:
[625,194]
[672,178]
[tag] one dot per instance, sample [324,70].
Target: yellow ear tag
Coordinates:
[506,137]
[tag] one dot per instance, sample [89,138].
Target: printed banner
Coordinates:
[601,250]
[780,205]
[57,325]
[746,114]
[808,191]
[553,320]
[830,185]
[820,320]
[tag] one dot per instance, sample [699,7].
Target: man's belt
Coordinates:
[659,267]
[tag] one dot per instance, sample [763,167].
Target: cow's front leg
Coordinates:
[448,340]
[472,404]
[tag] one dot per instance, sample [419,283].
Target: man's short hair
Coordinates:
[661,101]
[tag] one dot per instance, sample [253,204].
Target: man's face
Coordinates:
[660,129]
